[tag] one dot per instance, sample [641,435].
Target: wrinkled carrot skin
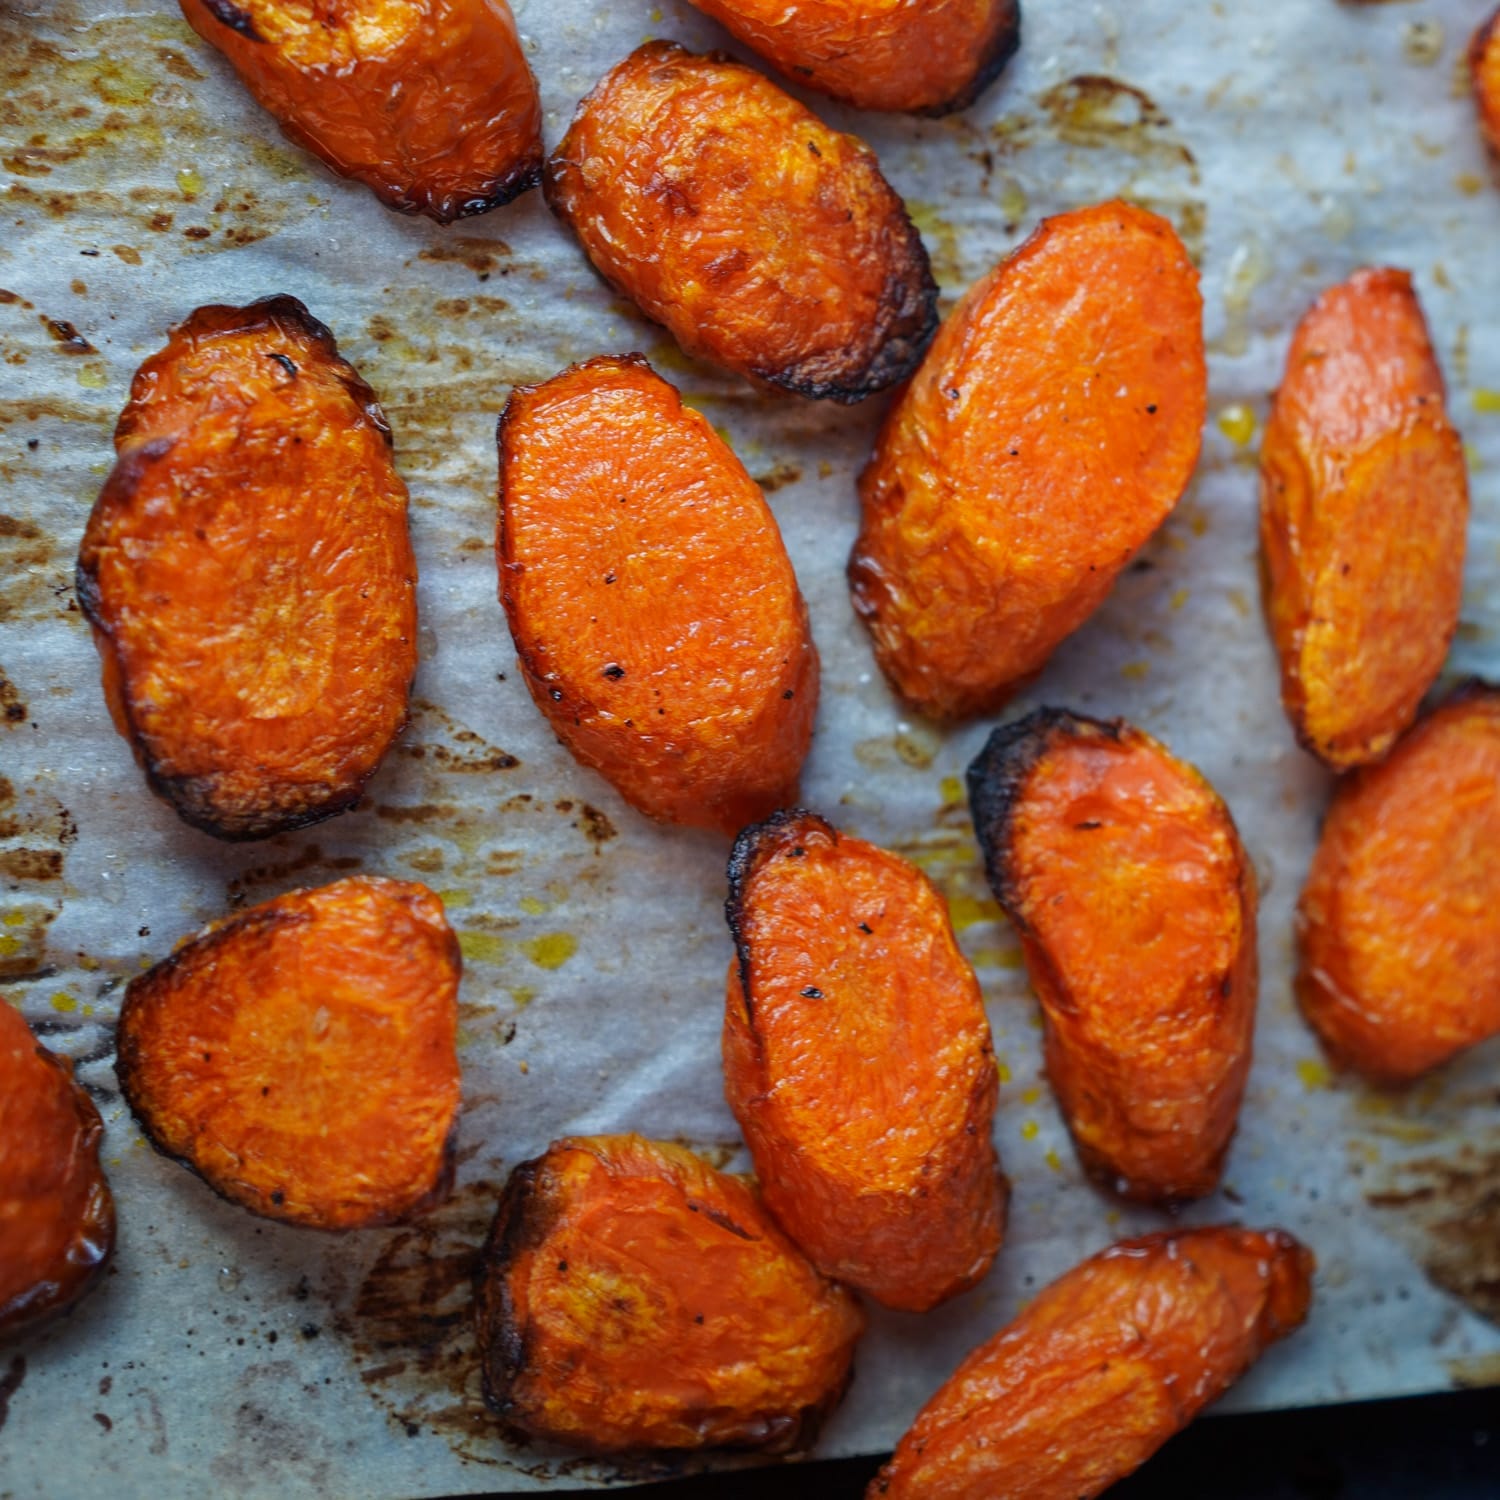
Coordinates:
[858,1062]
[1103,1367]
[1136,905]
[300,1056]
[1364,506]
[430,103]
[631,1298]
[924,56]
[764,241]
[653,606]
[1484,68]
[57,1219]
[1051,429]
[1399,946]
[249,576]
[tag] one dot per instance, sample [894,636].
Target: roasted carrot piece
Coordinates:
[430,103]
[300,1056]
[57,1219]
[1400,947]
[653,606]
[632,1298]
[1484,66]
[857,1059]
[930,56]
[1364,505]
[248,574]
[1051,429]
[763,240]
[1103,1367]
[1136,906]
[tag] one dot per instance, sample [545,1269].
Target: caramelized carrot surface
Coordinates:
[858,1062]
[248,574]
[763,240]
[57,1219]
[300,1055]
[1400,943]
[1103,1367]
[430,103]
[1484,67]
[632,1298]
[1051,429]
[1136,905]
[1364,505]
[653,606]
[930,56]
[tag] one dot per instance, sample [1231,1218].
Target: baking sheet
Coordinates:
[137,180]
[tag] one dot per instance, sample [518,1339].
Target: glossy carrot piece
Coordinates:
[631,1298]
[300,1056]
[1136,905]
[1103,1367]
[1399,942]
[1051,429]
[764,241]
[653,606]
[57,1218]
[429,103]
[858,1062]
[1484,69]
[249,576]
[1364,506]
[927,56]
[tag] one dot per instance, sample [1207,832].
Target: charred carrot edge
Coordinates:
[1487,36]
[1002,47]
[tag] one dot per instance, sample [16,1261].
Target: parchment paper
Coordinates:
[1290,142]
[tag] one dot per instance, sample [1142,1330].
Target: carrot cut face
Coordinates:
[1052,427]
[926,56]
[653,606]
[632,1298]
[1484,68]
[858,1061]
[57,1219]
[1400,946]
[249,576]
[301,1056]
[1136,905]
[429,103]
[1364,507]
[1103,1367]
[764,241]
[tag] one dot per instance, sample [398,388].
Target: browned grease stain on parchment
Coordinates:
[30,581]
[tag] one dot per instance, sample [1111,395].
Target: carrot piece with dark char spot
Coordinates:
[1484,69]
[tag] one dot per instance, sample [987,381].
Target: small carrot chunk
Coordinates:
[57,1219]
[1400,945]
[764,241]
[927,56]
[653,606]
[248,574]
[1136,905]
[858,1061]
[301,1056]
[1051,429]
[1103,1367]
[429,103]
[1484,68]
[1364,505]
[632,1298]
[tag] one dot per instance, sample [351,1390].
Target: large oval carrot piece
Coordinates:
[1400,944]
[430,103]
[1484,67]
[300,1056]
[857,1059]
[928,56]
[763,240]
[248,574]
[1103,1367]
[57,1219]
[1051,429]
[1136,905]
[653,606]
[1364,506]
[632,1298]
